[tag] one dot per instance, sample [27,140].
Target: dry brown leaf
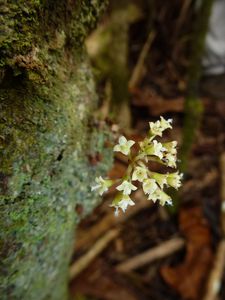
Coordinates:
[189,278]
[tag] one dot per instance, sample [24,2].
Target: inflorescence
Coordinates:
[152,182]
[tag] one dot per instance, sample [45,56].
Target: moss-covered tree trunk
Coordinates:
[193,105]
[46,100]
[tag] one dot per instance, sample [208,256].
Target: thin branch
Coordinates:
[138,69]
[222,192]
[83,262]
[215,278]
[216,275]
[164,249]
[109,221]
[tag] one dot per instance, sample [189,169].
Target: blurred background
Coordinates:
[150,59]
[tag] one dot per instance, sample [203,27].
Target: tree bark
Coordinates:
[47,96]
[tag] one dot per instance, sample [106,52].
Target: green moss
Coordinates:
[45,173]
[194,110]
[28,26]
[85,19]
[46,101]
[19,22]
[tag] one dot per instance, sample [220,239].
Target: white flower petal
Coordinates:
[95,187]
[149,186]
[127,187]
[159,126]
[124,145]
[170,160]
[130,143]
[161,196]
[116,148]
[161,179]
[122,140]
[165,123]
[140,174]
[174,179]
[102,185]
[125,202]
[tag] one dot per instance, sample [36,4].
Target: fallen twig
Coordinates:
[110,221]
[222,193]
[138,69]
[215,278]
[180,21]
[216,275]
[158,252]
[82,263]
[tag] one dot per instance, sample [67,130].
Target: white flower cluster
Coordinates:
[152,182]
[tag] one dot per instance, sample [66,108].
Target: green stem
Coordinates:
[193,107]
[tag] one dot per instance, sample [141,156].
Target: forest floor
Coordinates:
[149,253]
[183,245]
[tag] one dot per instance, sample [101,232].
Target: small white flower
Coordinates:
[161,179]
[170,160]
[174,179]
[125,202]
[158,149]
[159,126]
[127,187]
[102,185]
[152,182]
[124,145]
[171,147]
[161,196]
[149,186]
[140,174]
[115,202]
[155,149]
[154,197]
[165,124]
[121,202]
[155,128]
